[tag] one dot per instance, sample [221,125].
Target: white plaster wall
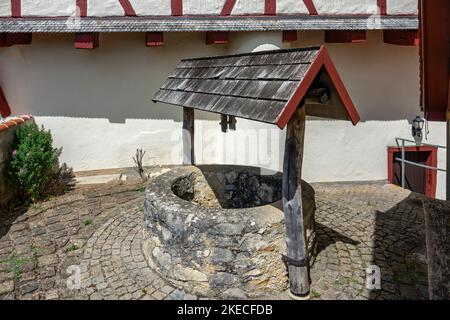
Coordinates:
[5,8]
[48,8]
[243,7]
[151,8]
[104,8]
[402,7]
[345,6]
[97,104]
[202,7]
[291,7]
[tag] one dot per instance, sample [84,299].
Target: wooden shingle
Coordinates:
[263,86]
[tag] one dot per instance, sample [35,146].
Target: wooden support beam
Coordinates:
[82,7]
[11,39]
[232,123]
[227,122]
[16,8]
[447,193]
[289,35]
[224,123]
[154,39]
[177,7]
[88,40]
[188,136]
[217,37]
[317,95]
[270,7]
[297,257]
[401,37]
[345,36]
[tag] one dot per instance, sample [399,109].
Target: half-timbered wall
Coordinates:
[102,8]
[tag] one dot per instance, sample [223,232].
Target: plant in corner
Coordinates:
[34,166]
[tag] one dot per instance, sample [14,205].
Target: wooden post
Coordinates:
[188,136]
[297,258]
[447,187]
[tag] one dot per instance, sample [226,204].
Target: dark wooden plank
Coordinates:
[292,205]
[224,122]
[448,153]
[188,136]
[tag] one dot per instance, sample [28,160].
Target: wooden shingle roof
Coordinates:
[263,86]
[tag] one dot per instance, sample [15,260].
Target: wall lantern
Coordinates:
[417,127]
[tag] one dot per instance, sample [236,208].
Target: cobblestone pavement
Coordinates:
[99,229]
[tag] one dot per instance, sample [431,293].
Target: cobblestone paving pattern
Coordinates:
[99,229]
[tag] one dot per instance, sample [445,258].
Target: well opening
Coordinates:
[229,189]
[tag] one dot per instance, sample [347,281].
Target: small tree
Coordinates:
[34,166]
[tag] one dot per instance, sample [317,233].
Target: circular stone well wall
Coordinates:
[218,231]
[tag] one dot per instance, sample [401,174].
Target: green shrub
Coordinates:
[34,166]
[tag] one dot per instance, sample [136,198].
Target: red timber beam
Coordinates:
[88,40]
[11,39]
[382,5]
[5,110]
[82,7]
[402,37]
[217,37]
[128,8]
[177,7]
[345,36]
[289,35]
[270,7]
[311,7]
[16,11]
[154,39]
[228,7]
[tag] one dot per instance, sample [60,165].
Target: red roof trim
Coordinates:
[340,87]
[322,60]
[5,110]
[14,122]
[16,11]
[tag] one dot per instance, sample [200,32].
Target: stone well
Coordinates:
[218,231]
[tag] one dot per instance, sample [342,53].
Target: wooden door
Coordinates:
[417,179]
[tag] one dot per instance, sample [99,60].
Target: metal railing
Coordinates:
[405,162]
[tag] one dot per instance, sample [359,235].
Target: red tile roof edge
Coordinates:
[14,122]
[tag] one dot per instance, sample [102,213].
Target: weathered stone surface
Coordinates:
[6,287]
[234,293]
[211,209]
[188,274]
[220,255]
